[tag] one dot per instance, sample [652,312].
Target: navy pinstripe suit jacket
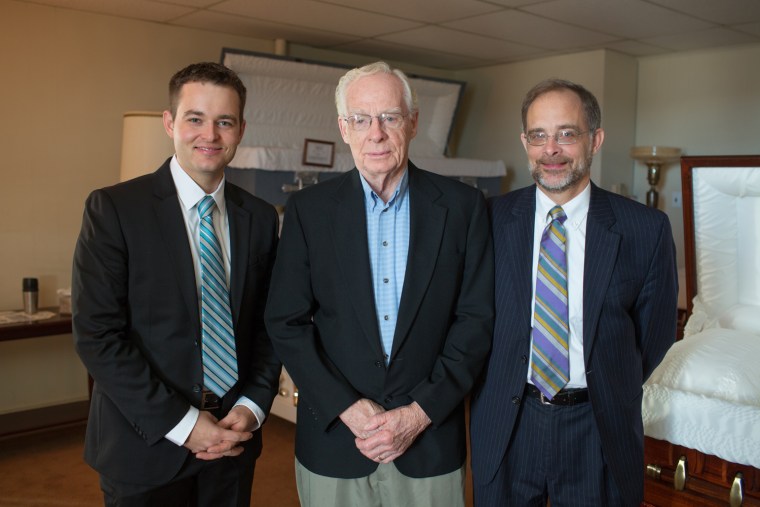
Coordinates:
[630,293]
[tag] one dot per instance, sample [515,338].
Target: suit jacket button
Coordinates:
[516,400]
[379,364]
[524,359]
[197,388]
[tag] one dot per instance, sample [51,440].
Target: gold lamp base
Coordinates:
[654,157]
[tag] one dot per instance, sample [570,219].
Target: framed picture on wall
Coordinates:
[318,153]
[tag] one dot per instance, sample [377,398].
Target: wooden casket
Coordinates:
[701,406]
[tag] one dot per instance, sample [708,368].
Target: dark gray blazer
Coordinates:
[322,320]
[630,291]
[136,321]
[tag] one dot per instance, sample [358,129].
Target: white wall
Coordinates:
[704,102]
[494,97]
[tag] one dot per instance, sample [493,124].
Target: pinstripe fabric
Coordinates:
[218,338]
[550,364]
[629,309]
[556,455]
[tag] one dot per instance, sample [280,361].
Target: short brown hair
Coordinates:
[590,105]
[205,72]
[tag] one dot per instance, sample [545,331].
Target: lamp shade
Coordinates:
[655,154]
[144,144]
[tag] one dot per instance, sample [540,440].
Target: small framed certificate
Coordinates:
[319,153]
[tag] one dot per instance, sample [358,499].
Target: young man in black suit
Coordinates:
[170,422]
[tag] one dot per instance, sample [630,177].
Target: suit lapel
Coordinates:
[601,253]
[427,221]
[514,231]
[240,232]
[174,235]
[349,230]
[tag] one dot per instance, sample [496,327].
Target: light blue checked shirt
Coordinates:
[388,241]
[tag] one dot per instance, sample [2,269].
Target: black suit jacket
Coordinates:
[136,321]
[630,291]
[322,320]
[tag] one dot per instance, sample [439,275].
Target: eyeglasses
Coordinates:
[362,122]
[562,136]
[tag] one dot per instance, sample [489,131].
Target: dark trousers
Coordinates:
[555,454]
[226,482]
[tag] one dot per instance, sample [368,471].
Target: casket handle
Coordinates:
[736,495]
[679,479]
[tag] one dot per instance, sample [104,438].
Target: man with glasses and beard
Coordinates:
[586,295]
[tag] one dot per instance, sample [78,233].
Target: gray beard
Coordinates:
[576,174]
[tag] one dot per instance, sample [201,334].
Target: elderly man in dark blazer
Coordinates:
[381,310]
[166,426]
[595,273]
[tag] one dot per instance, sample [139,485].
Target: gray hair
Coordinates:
[410,96]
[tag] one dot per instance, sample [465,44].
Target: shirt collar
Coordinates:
[189,192]
[372,199]
[576,208]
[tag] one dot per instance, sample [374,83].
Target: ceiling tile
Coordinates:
[388,50]
[136,9]
[441,10]
[630,19]
[724,12]
[460,43]
[321,16]
[705,39]
[752,28]
[532,30]
[227,23]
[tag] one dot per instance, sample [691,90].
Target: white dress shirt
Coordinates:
[575,233]
[190,194]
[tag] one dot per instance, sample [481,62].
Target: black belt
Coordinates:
[565,397]
[210,401]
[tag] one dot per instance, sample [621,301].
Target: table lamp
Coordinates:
[654,157]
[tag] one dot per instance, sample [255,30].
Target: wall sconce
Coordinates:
[654,157]
[144,144]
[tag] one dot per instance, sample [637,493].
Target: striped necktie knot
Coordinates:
[557,213]
[206,207]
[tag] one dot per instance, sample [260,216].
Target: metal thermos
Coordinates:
[31,295]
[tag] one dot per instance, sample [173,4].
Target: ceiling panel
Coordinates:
[319,15]
[532,30]
[460,43]
[427,12]
[456,34]
[629,19]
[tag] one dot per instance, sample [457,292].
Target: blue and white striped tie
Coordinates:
[218,338]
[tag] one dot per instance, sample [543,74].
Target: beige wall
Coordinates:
[67,79]
[494,97]
[69,76]
[704,102]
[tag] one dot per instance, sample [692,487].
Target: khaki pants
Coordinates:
[386,487]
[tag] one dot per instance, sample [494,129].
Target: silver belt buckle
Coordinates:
[544,399]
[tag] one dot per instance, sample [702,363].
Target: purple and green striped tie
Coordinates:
[218,338]
[550,365]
